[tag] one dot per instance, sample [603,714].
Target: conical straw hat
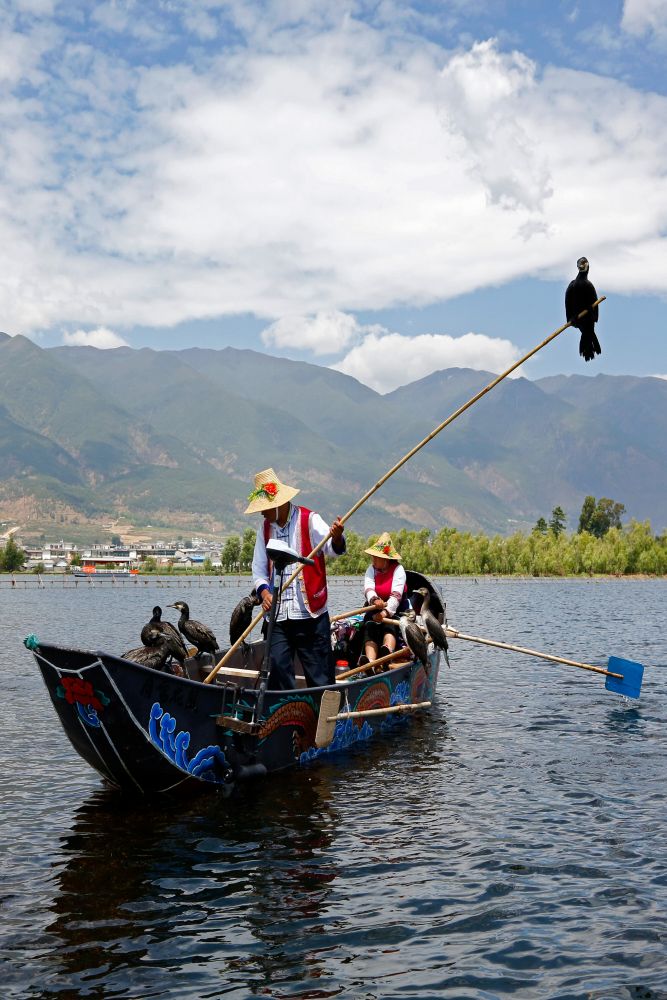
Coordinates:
[383,548]
[268,493]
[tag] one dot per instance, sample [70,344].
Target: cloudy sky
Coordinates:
[380,186]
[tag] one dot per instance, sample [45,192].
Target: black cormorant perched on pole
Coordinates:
[435,630]
[153,654]
[242,615]
[413,637]
[199,635]
[175,644]
[580,295]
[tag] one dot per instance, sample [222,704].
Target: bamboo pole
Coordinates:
[413,451]
[455,634]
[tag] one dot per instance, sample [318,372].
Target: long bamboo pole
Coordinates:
[413,451]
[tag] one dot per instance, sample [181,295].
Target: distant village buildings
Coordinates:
[61,557]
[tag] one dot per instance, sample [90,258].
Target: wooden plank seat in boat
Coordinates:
[241,668]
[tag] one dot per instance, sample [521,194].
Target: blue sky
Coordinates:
[387,188]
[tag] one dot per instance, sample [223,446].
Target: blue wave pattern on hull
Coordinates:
[347,733]
[209,763]
[88,714]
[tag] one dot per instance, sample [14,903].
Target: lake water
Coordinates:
[513,843]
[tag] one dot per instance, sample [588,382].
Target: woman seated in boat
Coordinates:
[385,588]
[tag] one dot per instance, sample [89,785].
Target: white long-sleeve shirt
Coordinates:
[397,587]
[292,603]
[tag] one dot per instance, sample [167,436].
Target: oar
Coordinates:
[404,652]
[355,611]
[329,715]
[413,451]
[623,676]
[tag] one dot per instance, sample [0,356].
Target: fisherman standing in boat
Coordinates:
[302,623]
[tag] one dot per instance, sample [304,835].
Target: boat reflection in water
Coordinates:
[221,889]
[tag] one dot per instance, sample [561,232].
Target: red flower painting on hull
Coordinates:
[77,690]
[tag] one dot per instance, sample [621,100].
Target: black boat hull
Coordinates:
[150,732]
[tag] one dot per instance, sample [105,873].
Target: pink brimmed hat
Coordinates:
[269,492]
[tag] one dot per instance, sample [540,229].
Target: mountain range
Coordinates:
[173,438]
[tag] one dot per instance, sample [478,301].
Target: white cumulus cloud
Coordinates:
[641,16]
[101,337]
[386,361]
[324,333]
[321,169]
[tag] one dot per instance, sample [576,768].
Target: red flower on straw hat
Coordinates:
[267,490]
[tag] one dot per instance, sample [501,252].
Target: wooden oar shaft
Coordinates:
[413,451]
[349,614]
[397,654]
[455,634]
[380,711]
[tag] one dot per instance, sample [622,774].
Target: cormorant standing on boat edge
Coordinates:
[195,632]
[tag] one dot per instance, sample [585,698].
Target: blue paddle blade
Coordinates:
[630,683]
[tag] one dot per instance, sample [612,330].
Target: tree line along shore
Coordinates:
[601,545]
[626,551]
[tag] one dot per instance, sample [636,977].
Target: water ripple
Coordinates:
[509,845]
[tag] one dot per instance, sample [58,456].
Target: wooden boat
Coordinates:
[151,732]
[104,574]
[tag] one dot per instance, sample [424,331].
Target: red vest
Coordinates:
[314,577]
[384,579]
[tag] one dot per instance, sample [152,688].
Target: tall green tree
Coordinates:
[557,520]
[587,511]
[247,548]
[12,557]
[598,517]
[231,554]
[541,526]
[607,515]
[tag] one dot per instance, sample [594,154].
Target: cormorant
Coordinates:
[176,646]
[199,635]
[413,637]
[242,616]
[435,630]
[154,654]
[580,295]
